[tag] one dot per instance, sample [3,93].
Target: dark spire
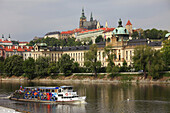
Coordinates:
[82,14]
[91,17]
[120,23]
[2,35]
[9,36]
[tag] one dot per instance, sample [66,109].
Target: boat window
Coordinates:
[52,90]
[59,90]
[60,94]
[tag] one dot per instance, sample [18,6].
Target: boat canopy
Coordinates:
[41,87]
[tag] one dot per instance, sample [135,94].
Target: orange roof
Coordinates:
[128,23]
[19,49]
[108,30]
[93,30]
[23,42]
[8,49]
[73,31]
[6,41]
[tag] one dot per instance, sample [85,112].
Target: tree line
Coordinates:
[145,58]
[150,33]
[57,42]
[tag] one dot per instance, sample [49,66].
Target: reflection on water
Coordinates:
[101,98]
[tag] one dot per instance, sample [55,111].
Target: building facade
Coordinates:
[55,34]
[121,45]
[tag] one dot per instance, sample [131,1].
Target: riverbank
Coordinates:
[7,110]
[102,78]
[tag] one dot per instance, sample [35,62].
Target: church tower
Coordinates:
[82,19]
[91,17]
[129,27]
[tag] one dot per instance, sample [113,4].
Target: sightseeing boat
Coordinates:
[63,94]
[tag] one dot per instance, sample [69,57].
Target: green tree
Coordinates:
[53,68]
[13,65]
[124,68]
[99,39]
[135,34]
[76,67]
[166,53]
[154,33]
[65,64]
[111,68]
[29,67]
[41,66]
[146,59]
[141,58]
[1,64]
[90,42]
[155,65]
[91,59]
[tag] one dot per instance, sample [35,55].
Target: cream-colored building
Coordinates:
[122,47]
[55,34]
[77,53]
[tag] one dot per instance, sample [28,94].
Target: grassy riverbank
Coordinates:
[101,78]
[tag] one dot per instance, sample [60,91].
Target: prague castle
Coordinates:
[122,47]
[118,38]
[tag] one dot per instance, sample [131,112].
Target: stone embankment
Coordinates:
[132,77]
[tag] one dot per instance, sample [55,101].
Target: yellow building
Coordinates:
[122,47]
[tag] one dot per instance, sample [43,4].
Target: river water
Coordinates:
[101,98]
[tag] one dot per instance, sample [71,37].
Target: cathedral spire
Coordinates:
[82,14]
[91,17]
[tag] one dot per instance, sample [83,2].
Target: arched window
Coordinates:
[108,40]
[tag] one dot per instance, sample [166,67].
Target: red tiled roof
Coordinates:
[67,32]
[128,23]
[108,30]
[23,42]
[73,31]
[93,30]
[8,49]
[20,49]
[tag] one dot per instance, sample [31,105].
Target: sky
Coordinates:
[25,19]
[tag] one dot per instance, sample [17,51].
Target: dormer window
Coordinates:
[125,30]
[116,30]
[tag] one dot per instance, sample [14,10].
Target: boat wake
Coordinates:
[81,102]
[5,97]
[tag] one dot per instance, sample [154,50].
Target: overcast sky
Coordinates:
[25,19]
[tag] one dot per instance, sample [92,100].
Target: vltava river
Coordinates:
[101,98]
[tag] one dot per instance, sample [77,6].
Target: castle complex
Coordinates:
[122,47]
[118,38]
